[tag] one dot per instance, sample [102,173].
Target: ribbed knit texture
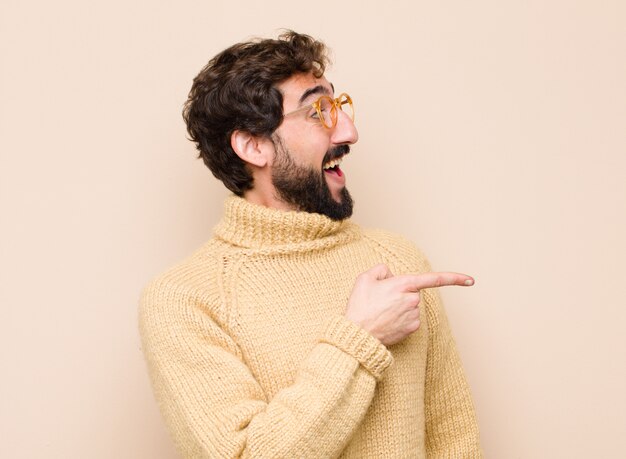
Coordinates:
[250,355]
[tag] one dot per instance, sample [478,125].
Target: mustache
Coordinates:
[336,152]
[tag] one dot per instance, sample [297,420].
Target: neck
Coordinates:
[247,224]
[267,198]
[264,194]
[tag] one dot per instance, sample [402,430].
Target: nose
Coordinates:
[345,131]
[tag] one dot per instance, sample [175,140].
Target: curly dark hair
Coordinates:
[237,90]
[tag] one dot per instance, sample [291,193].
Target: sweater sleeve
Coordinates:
[451,426]
[214,406]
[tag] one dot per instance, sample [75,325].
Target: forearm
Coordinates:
[215,408]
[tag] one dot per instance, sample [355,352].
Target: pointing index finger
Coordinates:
[438,279]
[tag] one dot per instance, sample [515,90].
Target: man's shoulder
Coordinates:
[195,276]
[397,247]
[182,297]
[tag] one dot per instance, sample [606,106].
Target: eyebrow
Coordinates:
[319,89]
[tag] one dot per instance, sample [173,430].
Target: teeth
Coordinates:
[333,163]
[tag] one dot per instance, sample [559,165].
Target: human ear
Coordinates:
[250,148]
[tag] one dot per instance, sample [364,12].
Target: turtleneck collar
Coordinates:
[253,226]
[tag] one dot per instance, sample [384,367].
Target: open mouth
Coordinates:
[332,166]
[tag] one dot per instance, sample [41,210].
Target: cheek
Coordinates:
[306,142]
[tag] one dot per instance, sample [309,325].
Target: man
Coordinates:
[293,333]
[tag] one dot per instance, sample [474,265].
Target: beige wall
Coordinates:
[492,134]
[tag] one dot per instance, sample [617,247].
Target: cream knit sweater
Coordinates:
[250,356]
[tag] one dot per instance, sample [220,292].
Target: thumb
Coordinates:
[380,272]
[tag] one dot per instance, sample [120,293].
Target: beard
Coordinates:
[305,188]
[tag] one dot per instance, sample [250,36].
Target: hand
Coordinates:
[387,306]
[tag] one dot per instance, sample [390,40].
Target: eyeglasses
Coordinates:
[325,109]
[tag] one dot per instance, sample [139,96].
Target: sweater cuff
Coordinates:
[355,341]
